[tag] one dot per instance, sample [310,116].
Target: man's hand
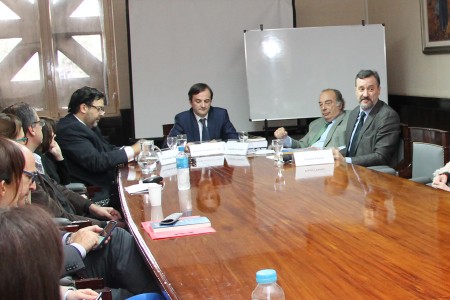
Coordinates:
[440,182]
[83,294]
[136,148]
[87,237]
[280,133]
[56,151]
[108,213]
[337,155]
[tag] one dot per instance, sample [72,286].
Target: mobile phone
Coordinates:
[153,178]
[105,233]
[99,296]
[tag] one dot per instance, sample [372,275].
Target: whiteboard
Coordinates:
[288,68]
[177,43]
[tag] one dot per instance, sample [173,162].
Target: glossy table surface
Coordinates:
[354,234]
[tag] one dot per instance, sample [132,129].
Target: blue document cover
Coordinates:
[187,222]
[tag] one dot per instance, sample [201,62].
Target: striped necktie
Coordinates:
[352,150]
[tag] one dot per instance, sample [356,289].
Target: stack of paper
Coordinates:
[185,226]
[256,142]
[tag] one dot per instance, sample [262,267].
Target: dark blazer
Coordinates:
[61,202]
[335,137]
[219,125]
[378,140]
[91,159]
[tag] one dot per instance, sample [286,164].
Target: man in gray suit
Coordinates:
[324,132]
[373,128]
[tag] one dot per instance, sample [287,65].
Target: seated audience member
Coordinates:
[118,261]
[324,132]
[34,271]
[60,201]
[203,122]
[440,179]
[12,167]
[52,159]
[373,127]
[91,159]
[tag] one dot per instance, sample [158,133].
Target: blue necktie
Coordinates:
[205,132]
[352,150]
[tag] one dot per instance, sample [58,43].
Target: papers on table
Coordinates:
[137,188]
[304,172]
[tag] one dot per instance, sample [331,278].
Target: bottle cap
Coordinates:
[266,276]
[180,148]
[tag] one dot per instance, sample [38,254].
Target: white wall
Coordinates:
[410,72]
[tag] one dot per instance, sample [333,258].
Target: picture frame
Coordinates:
[435,24]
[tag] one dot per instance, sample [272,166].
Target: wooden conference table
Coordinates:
[357,234]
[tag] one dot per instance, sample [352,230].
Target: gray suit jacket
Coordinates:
[379,136]
[335,137]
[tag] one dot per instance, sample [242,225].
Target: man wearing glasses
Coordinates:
[90,158]
[61,202]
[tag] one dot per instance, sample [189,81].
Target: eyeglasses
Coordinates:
[23,140]
[41,122]
[32,175]
[100,109]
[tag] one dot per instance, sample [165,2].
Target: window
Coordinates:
[50,48]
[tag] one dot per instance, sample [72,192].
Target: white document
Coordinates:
[168,170]
[205,149]
[137,188]
[208,161]
[304,172]
[236,148]
[237,161]
[167,157]
[313,157]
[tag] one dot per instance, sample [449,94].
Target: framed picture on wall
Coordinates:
[435,26]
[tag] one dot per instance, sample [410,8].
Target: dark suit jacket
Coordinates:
[91,159]
[61,202]
[335,137]
[378,140]
[219,125]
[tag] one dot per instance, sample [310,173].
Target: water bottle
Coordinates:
[183,179]
[267,288]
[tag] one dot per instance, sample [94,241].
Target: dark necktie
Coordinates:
[205,132]
[352,150]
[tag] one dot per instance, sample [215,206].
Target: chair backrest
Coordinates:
[166,130]
[430,150]
[403,166]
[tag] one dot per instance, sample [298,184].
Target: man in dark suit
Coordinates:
[91,159]
[373,128]
[203,122]
[59,200]
[325,132]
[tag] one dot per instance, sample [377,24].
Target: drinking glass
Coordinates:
[243,136]
[277,146]
[171,142]
[181,140]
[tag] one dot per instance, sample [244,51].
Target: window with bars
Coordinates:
[50,48]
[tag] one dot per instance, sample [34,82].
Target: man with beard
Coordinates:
[373,128]
[91,159]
